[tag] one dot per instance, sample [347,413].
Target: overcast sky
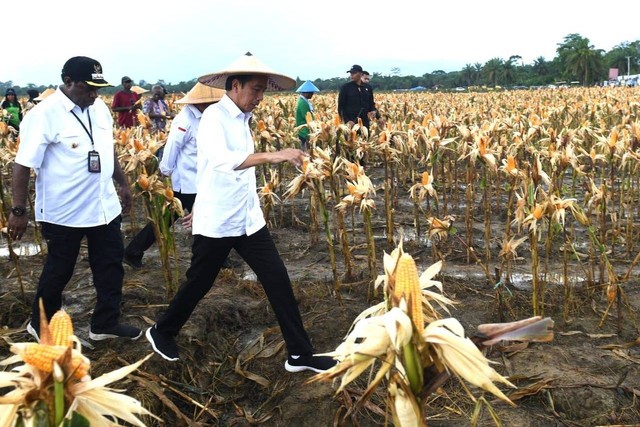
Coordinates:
[181,40]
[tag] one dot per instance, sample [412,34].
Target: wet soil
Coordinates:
[231,369]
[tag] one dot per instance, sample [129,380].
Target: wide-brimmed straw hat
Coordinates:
[44,94]
[139,90]
[201,94]
[248,64]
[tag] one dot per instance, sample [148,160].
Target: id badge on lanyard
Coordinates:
[93,157]
[94,161]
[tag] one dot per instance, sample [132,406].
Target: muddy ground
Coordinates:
[231,369]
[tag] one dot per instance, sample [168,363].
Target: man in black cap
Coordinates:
[354,101]
[68,140]
[350,99]
[125,103]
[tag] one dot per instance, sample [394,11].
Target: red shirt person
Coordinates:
[125,104]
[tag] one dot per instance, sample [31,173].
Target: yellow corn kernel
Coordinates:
[143,181]
[61,328]
[80,365]
[538,211]
[122,138]
[41,356]
[407,286]
[425,178]
[138,145]
[168,194]
[612,292]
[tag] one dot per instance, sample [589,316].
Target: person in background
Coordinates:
[13,108]
[352,99]
[366,77]
[227,213]
[125,103]
[157,109]
[32,101]
[178,162]
[48,91]
[304,106]
[372,111]
[68,140]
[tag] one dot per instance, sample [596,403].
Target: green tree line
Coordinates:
[576,60]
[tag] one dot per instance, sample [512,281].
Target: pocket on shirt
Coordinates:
[72,141]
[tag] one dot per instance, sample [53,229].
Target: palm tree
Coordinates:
[624,57]
[492,70]
[509,70]
[469,74]
[581,60]
[540,66]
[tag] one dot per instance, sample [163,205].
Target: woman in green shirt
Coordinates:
[13,108]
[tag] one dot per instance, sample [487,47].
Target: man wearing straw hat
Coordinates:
[178,161]
[227,213]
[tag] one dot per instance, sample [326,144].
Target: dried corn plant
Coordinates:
[137,149]
[361,195]
[269,197]
[409,350]
[313,173]
[50,384]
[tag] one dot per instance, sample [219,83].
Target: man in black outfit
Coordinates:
[354,99]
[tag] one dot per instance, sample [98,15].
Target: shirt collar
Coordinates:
[231,107]
[68,104]
[194,110]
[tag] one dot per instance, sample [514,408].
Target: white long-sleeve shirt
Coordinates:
[179,157]
[227,203]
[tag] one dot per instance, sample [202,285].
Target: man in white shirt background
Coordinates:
[178,162]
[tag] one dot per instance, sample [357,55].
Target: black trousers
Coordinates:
[261,254]
[105,258]
[146,237]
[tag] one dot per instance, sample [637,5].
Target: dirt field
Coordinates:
[231,369]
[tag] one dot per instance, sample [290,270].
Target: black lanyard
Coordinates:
[88,131]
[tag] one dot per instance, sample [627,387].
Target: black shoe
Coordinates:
[118,331]
[133,262]
[33,332]
[163,344]
[309,362]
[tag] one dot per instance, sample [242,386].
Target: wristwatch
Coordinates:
[18,210]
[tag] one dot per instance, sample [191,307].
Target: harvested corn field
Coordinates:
[528,199]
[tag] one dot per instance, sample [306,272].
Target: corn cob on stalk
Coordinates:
[61,329]
[42,357]
[407,286]
[53,381]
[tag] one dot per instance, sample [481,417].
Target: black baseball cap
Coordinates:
[126,79]
[355,69]
[84,69]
